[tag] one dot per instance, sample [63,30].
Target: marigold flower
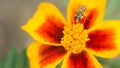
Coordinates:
[74,41]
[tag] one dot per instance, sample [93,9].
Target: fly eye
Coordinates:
[83,8]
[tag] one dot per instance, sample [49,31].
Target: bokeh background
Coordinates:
[14,13]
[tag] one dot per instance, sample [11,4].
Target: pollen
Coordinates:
[75,37]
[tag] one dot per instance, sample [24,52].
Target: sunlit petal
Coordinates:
[80,60]
[47,24]
[45,56]
[105,39]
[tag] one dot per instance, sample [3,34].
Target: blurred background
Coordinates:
[14,13]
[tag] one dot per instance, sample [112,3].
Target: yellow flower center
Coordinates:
[74,39]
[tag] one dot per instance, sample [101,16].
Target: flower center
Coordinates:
[74,39]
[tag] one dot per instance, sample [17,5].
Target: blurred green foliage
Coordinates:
[115,63]
[15,59]
[1,64]
[112,10]
[11,58]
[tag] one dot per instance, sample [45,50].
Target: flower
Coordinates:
[74,41]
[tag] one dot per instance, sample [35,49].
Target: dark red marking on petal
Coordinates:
[51,30]
[89,20]
[81,60]
[101,40]
[72,18]
[50,54]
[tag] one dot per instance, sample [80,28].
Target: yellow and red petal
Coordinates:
[104,39]
[80,60]
[45,56]
[47,24]
[93,14]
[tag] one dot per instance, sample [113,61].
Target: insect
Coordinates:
[79,14]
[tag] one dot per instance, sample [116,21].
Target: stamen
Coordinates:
[74,38]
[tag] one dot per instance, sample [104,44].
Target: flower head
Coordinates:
[74,41]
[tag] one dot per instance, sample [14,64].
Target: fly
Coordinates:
[79,14]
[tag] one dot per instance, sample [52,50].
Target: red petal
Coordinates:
[101,40]
[47,25]
[81,60]
[51,30]
[51,54]
[45,56]
[104,39]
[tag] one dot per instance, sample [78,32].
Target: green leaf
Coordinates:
[22,61]
[1,64]
[115,63]
[11,58]
[104,61]
[59,65]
